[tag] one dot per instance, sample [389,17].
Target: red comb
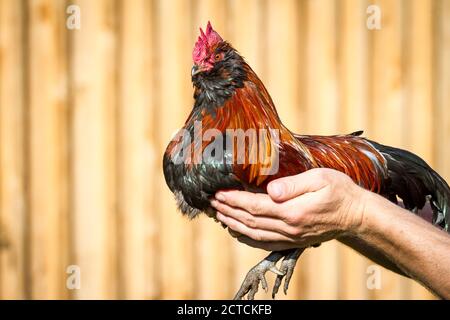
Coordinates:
[204,42]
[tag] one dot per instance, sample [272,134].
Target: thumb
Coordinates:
[287,188]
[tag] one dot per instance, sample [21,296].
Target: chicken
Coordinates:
[234,139]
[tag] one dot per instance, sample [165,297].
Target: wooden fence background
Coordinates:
[85,116]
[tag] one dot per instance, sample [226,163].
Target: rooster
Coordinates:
[229,98]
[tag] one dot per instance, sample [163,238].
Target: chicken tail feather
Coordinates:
[415,182]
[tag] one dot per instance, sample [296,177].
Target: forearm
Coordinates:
[416,247]
[371,253]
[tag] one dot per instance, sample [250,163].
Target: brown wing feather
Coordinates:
[350,154]
[247,109]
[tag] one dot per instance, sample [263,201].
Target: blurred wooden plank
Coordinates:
[48,149]
[387,109]
[283,53]
[418,72]
[322,96]
[353,274]
[93,77]
[177,262]
[136,154]
[209,10]
[248,40]
[12,171]
[353,64]
[214,266]
[441,118]
[418,93]
[246,22]
[353,74]
[323,118]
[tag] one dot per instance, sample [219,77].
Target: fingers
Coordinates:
[255,234]
[290,187]
[258,204]
[268,246]
[251,221]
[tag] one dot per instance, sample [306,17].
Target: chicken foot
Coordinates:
[250,285]
[287,269]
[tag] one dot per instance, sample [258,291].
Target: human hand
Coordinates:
[298,211]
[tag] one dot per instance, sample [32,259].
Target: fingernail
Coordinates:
[213,203]
[220,196]
[276,189]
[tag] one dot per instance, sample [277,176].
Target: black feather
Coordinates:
[194,185]
[415,182]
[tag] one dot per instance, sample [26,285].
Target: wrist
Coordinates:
[359,215]
[373,212]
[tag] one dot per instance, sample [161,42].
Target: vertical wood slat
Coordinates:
[177,265]
[282,32]
[47,148]
[418,77]
[12,171]
[93,62]
[353,69]
[321,94]
[386,76]
[353,74]
[442,87]
[214,266]
[322,109]
[136,154]
[248,41]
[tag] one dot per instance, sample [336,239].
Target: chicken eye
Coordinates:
[218,57]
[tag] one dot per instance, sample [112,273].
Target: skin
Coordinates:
[323,204]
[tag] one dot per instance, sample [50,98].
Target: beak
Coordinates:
[195,69]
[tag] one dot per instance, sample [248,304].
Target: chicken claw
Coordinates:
[287,269]
[250,285]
